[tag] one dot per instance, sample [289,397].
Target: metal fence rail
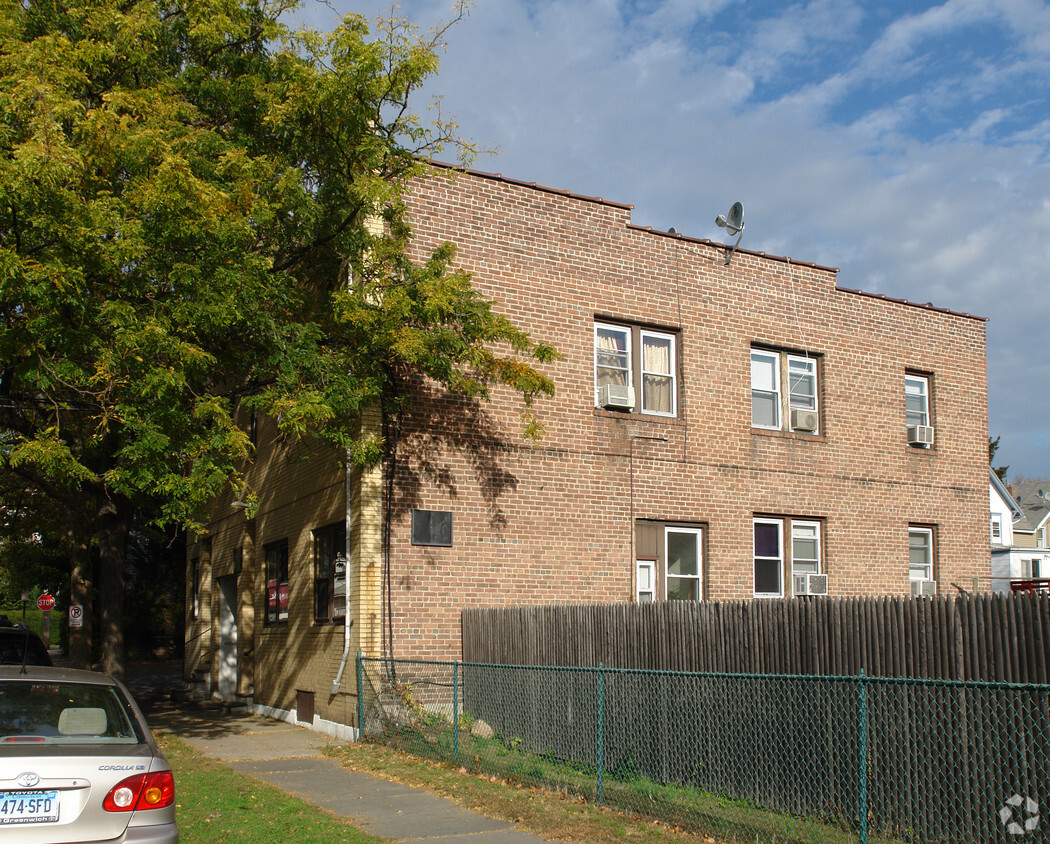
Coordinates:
[740,757]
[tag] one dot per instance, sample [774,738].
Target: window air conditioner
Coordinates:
[615,395]
[924,588]
[804,420]
[920,435]
[810,584]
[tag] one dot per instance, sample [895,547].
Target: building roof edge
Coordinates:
[481,174]
[499,177]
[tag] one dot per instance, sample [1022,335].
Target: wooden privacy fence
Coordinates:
[994,637]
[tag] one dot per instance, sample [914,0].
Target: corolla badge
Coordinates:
[27,780]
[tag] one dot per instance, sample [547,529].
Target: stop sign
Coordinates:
[45,602]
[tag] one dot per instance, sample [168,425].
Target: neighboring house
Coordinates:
[741,430]
[1027,556]
[1005,513]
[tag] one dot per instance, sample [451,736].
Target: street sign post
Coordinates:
[46,603]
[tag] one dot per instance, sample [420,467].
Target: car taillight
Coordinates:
[142,791]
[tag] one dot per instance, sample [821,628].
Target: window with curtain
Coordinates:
[612,356]
[658,380]
[640,358]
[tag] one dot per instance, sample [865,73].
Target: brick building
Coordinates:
[748,430]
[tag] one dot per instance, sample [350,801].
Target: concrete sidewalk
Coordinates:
[290,758]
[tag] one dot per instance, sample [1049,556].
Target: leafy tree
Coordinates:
[993,447]
[186,192]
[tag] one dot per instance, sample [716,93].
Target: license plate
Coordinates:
[28,807]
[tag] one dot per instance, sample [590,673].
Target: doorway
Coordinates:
[228,638]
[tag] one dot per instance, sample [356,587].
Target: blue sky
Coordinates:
[907,144]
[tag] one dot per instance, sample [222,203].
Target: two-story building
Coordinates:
[741,429]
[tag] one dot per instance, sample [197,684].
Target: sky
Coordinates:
[907,144]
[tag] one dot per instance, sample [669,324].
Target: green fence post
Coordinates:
[455,710]
[862,752]
[360,694]
[601,731]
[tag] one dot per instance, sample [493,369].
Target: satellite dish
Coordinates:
[733,222]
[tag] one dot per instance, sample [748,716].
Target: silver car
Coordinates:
[78,763]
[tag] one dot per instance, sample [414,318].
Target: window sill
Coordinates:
[636,416]
[790,435]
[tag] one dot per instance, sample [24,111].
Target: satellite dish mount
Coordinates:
[733,222]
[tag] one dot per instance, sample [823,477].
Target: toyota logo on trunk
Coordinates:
[27,780]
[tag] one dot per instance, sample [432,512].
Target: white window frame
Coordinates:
[927,573]
[626,332]
[644,580]
[917,386]
[818,561]
[810,365]
[1040,538]
[997,528]
[671,375]
[699,576]
[767,357]
[779,559]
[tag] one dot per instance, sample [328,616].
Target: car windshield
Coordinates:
[63,713]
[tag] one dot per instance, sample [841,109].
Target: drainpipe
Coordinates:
[346,587]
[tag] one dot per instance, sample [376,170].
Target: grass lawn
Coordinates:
[548,814]
[214,804]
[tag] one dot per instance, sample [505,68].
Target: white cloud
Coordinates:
[854,140]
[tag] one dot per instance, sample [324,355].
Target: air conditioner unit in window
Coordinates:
[924,588]
[614,395]
[804,420]
[810,584]
[920,435]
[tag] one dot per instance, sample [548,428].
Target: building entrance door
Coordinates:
[227,638]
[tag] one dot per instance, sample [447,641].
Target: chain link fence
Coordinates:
[738,757]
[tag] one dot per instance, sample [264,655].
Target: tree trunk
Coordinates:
[80,639]
[112,521]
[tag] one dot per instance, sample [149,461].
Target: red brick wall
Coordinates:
[553,523]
